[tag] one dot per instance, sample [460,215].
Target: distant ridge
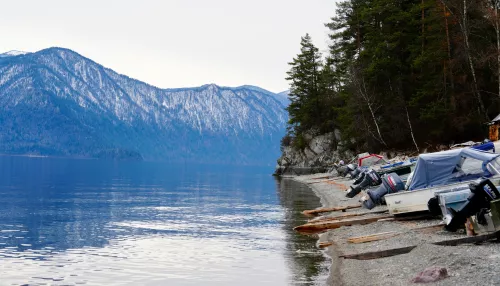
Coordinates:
[57,102]
[13,53]
[283,97]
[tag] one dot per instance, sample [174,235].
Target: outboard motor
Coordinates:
[360,177]
[357,171]
[483,192]
[342,171]
[371,178]
[345,170]
[391,183]
[336,167]
[354,173]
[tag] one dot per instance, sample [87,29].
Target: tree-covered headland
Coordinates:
[399,74]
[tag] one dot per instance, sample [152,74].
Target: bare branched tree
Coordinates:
[460,10]
[360,88]
[490,10]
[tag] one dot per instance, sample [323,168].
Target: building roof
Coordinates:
[496,119]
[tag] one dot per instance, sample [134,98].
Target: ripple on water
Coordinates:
[79,222]
[146,260]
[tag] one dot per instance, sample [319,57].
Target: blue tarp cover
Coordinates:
[437,168]
[485,147]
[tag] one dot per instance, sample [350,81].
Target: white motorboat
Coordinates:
[451,170]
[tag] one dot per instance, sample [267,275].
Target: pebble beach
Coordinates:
[466,264]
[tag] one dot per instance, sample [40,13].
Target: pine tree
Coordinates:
[401,74]
[305,106]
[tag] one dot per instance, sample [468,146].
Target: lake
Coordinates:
[90,222]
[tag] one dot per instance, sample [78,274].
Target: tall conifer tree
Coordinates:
[304,80]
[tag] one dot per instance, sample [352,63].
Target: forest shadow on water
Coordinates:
[308,264]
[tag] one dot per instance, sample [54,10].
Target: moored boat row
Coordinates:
[440,184]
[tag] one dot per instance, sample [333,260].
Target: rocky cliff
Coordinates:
[321,152]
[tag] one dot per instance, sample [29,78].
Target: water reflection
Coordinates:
[308,265]
[101,223]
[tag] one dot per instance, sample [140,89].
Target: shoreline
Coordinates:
[467,264]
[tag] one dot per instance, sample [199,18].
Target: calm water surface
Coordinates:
[86,222]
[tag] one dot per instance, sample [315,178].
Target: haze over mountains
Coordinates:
[57,102]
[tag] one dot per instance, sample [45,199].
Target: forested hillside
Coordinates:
[56,102]
[405,74]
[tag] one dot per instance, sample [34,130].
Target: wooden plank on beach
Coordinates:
[386,235]
[344,216]
[421,216]
[341,186]
[469,239]
[320,178]
[387,219]
[330,182]
[373,237]
[319,182]
[334,209]
[430,228]
[322,226]
[379,254]
[335,177]
[409,219]
[325,244]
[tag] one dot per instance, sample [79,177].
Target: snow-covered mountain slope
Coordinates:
[57,102]
[13,53]
[283,97]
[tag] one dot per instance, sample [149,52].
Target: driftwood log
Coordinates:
[322,226]
[373,237]
[334,209]
[379,254]
[344,216]
[386,235]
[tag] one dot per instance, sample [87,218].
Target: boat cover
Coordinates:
[485,147]
[440,168]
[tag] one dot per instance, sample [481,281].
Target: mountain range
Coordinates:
[56,102]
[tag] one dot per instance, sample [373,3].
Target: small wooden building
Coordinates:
[494,126]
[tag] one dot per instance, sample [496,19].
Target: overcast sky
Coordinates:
[173,43]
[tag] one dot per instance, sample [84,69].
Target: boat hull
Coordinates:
[416,201]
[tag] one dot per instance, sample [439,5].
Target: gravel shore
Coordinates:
[467,264]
